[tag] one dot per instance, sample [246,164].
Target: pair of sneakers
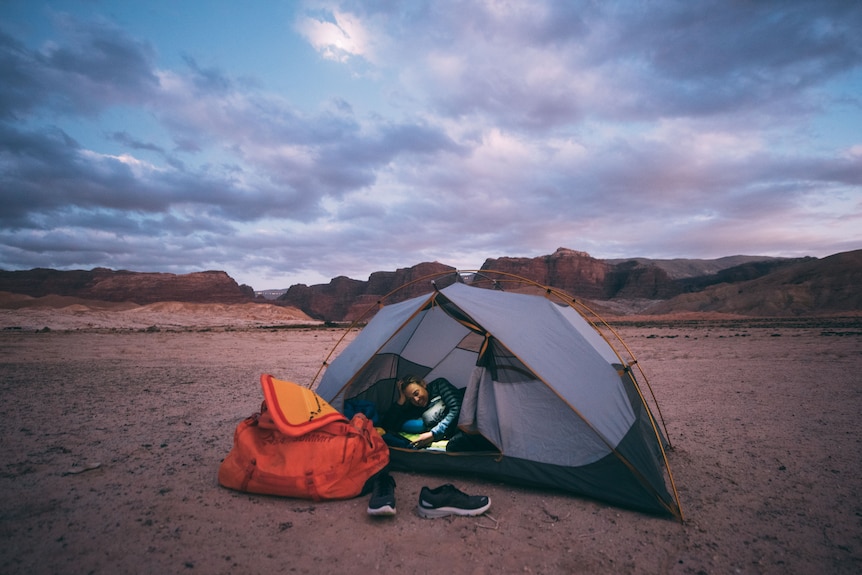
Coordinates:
[438,502]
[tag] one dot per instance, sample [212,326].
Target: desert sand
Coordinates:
[113,434]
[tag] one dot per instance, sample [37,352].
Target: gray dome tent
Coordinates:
[541,383]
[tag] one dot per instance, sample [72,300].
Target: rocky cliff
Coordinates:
[345,299]
[745,285]
[138,287]
[577,273]
[626,286]
[569,270]
[586,277]
[826,286]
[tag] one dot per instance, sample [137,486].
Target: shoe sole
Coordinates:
[385,511]
[434,512]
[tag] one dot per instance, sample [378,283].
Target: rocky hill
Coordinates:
[681,268]
[120,286]
[616,286]
[586,277]
[345,299]
[742,285]
[639,278]
[826,286]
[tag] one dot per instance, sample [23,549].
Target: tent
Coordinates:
[541,382]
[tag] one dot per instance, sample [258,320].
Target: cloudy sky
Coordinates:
[292,142]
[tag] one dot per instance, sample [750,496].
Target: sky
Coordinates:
[291,142]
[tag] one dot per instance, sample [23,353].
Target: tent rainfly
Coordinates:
[542,384]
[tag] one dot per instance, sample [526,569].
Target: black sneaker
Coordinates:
[448,500]
[382,502]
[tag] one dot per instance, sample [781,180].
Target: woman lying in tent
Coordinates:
[429,412]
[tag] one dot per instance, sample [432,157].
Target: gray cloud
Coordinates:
[132,143]
[635,61]
[93,65]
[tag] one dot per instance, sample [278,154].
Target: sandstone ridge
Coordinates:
[753,286]
[345,299]
[625,287]
[126,286]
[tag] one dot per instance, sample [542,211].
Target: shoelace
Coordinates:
[384,485]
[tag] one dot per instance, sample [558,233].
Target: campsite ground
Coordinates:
[112,439]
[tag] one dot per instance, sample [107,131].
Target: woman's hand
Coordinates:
[424,440]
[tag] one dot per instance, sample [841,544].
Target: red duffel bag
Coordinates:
[322,457]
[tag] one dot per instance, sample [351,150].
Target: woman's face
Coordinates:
[416,394]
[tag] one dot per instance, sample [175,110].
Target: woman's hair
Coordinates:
[410,379]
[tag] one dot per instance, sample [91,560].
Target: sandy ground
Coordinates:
[111,441]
